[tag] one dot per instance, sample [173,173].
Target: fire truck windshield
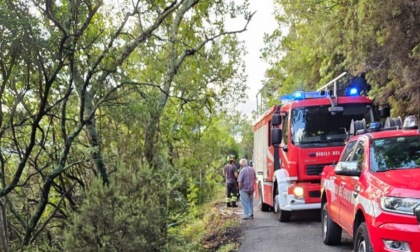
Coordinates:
[318,126]
[395,153]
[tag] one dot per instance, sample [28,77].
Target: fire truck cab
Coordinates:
[295,140]
[373,192]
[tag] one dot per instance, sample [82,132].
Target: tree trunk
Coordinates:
[150,139]
[94,142]
[4,247]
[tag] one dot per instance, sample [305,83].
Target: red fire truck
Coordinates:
[295,140]
[373,192]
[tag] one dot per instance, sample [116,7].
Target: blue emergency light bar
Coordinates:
[301,95]
[354,91]
[356,87]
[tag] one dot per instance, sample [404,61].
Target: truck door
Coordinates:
[338,181]
[351,187]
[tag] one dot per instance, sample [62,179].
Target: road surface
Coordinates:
[303,233]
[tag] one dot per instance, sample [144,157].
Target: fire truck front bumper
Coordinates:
[396,237]
[297,205]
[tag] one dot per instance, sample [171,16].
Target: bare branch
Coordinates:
[156,86]
[192,51]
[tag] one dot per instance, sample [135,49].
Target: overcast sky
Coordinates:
[262,22]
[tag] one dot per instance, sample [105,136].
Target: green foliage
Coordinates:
[90,86]
[202,153]
[127,215]
[325,38]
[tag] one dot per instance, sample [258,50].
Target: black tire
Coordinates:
[331,232]
[284,216]
[275,208]
[362,241]
[264,206]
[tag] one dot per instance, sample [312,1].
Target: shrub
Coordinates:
[129,214]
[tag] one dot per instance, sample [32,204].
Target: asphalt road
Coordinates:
[303,233]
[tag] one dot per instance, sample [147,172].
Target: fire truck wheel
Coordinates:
[362,241]
[331,232]
[276,206]
[264,206]
[284,216]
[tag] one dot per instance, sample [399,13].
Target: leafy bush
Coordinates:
[127,215]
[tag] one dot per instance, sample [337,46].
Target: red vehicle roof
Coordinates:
[326,101]
[389,133]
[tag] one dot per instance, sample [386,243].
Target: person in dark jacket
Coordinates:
[231,174]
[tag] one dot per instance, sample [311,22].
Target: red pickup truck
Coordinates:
[373,192]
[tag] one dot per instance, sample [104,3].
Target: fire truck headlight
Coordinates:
[399,205]
[298,192]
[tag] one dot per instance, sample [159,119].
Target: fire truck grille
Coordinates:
[315,169]
[314,194]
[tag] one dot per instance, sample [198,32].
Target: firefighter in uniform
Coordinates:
[231,174]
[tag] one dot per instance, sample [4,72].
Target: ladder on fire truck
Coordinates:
[262,101]
[332,83]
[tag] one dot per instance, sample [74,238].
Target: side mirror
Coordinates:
[276,135]
[276,119]
[347,169]
[351,173]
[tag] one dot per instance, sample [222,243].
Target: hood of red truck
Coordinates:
[400,181]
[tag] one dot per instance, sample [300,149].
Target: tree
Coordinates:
[328,37]
[68,72]
[127,215]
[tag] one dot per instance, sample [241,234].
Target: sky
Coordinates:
[262,22]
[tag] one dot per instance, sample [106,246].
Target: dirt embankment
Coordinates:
[224,232]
